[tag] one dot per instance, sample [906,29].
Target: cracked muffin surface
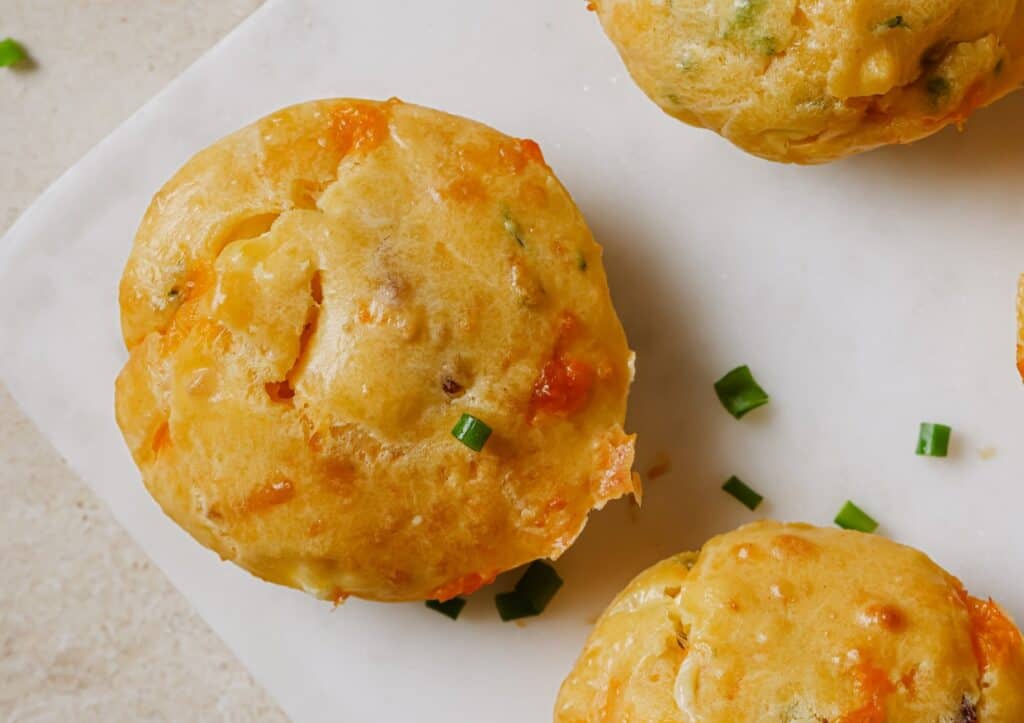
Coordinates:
[808,82]
[310,306]
[798,624]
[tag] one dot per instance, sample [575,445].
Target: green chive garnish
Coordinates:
[938,88]
[448,608]
[739,393]
[513,607]
[852,517]
[511,227]
[532,593]
[539,584]
[471,432]
[933,440]
[11,52]
[766,44]
[896,21]
[738,489]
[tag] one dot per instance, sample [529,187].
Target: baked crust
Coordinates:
[310,306]
[811,82]
[797,624]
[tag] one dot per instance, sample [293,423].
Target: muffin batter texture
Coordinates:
[312,304]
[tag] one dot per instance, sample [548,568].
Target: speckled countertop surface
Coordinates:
[90,630]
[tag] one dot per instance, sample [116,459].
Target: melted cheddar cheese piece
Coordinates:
[310,306]
[812,82]
[797,624]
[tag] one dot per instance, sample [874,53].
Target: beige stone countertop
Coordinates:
[90,629]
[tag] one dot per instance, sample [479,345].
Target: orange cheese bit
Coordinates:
[359,127]
[531,150]
[874,685]
[557,504]
[465,585]
[269,495]
[993,635]
[563,387]
[470,164]
[547,518]
[200,280]
[516,155]
[161,438]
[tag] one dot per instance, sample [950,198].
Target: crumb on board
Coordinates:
[662,466]
[338,598]
[987,452]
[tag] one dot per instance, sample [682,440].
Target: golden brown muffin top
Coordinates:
[788,622]
[310,306]
[813,81]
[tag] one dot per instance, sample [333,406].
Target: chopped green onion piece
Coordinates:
[448,608]
[766,44]
[937,87]
[11,52]
[738,489]
[471,432]
[539,584]
[746,12]
[511,227]
[581,261]
[933,440]
[532,593]
[852,517]
[739,393]
[512,606]
[896,21]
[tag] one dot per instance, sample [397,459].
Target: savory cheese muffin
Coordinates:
[798,624]
[311,306]
[812,82]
